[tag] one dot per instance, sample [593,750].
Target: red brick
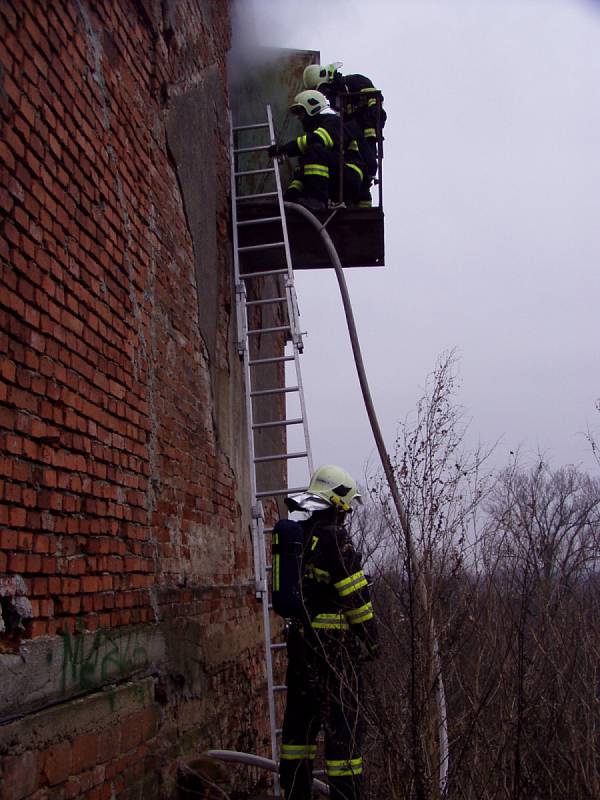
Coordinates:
[49,565]
[46,607]
[57,763]
[29,497]
[25,541]
[90,583]
[40,586]
[39,627]
[13,493]
[84,753]
[21,775]
[41,544]
[70,585]
[72,789]
[8,539]
[34,563]
[17,562]
[13,444]
[18,517]
[8,369]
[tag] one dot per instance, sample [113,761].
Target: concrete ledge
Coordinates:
[52,669]
[87,714]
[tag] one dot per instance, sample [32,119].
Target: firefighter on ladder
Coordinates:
[318,149]
[330,632]
[360,105]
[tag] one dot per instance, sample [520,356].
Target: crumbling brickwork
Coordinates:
[130,635]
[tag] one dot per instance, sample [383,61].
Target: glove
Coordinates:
[275,150]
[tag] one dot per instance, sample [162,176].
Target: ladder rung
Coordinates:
[279,646]
[280,457]
[280,687]
[267,246]
[279,492]
[251,127]
[274,423]
[277,390]
[277,360]
[263,274]
[244,172]
[266,301]
[278,329]
[255,196]
[254,149]
[257,221]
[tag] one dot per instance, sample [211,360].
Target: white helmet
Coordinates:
[330,486]
[316,75]
[310,101]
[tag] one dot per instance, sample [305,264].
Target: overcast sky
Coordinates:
[492,201]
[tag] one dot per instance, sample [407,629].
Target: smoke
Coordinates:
[260,26]
[251,43]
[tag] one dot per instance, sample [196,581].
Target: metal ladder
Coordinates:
[272,291]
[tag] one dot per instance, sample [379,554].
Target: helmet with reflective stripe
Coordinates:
[310,101]
[330,486]
[316,75]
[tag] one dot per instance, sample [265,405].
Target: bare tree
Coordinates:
[593,439]
[511,569]
[541,550]
[442,486]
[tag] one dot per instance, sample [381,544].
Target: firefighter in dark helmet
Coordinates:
[331,633]
[318,149]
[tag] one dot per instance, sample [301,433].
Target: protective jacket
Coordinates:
[355,96]
[360,104]
[334,587]
[322,129]
[319,151]
[333,633]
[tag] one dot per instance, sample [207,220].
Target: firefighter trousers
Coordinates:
[323,683]
[317,177]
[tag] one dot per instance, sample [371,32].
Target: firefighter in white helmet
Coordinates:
[318,149]
[331,630]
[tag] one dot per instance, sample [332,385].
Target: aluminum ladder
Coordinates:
[270,290]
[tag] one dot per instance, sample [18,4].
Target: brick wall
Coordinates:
[125,560]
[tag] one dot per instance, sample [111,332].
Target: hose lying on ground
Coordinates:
[258,761]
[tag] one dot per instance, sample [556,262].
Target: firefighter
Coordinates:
[318,149]
[357,94]
[333,633]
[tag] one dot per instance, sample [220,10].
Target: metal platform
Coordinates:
[358,235]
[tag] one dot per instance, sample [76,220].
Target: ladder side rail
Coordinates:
[243,348]
[234,198]
[291,297]
[303,411]
[292,306]
[259,536]
[293,322]
[269,657]
[243,306]
[288,254]
[240,287]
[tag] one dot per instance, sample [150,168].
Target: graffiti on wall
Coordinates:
[99,658]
